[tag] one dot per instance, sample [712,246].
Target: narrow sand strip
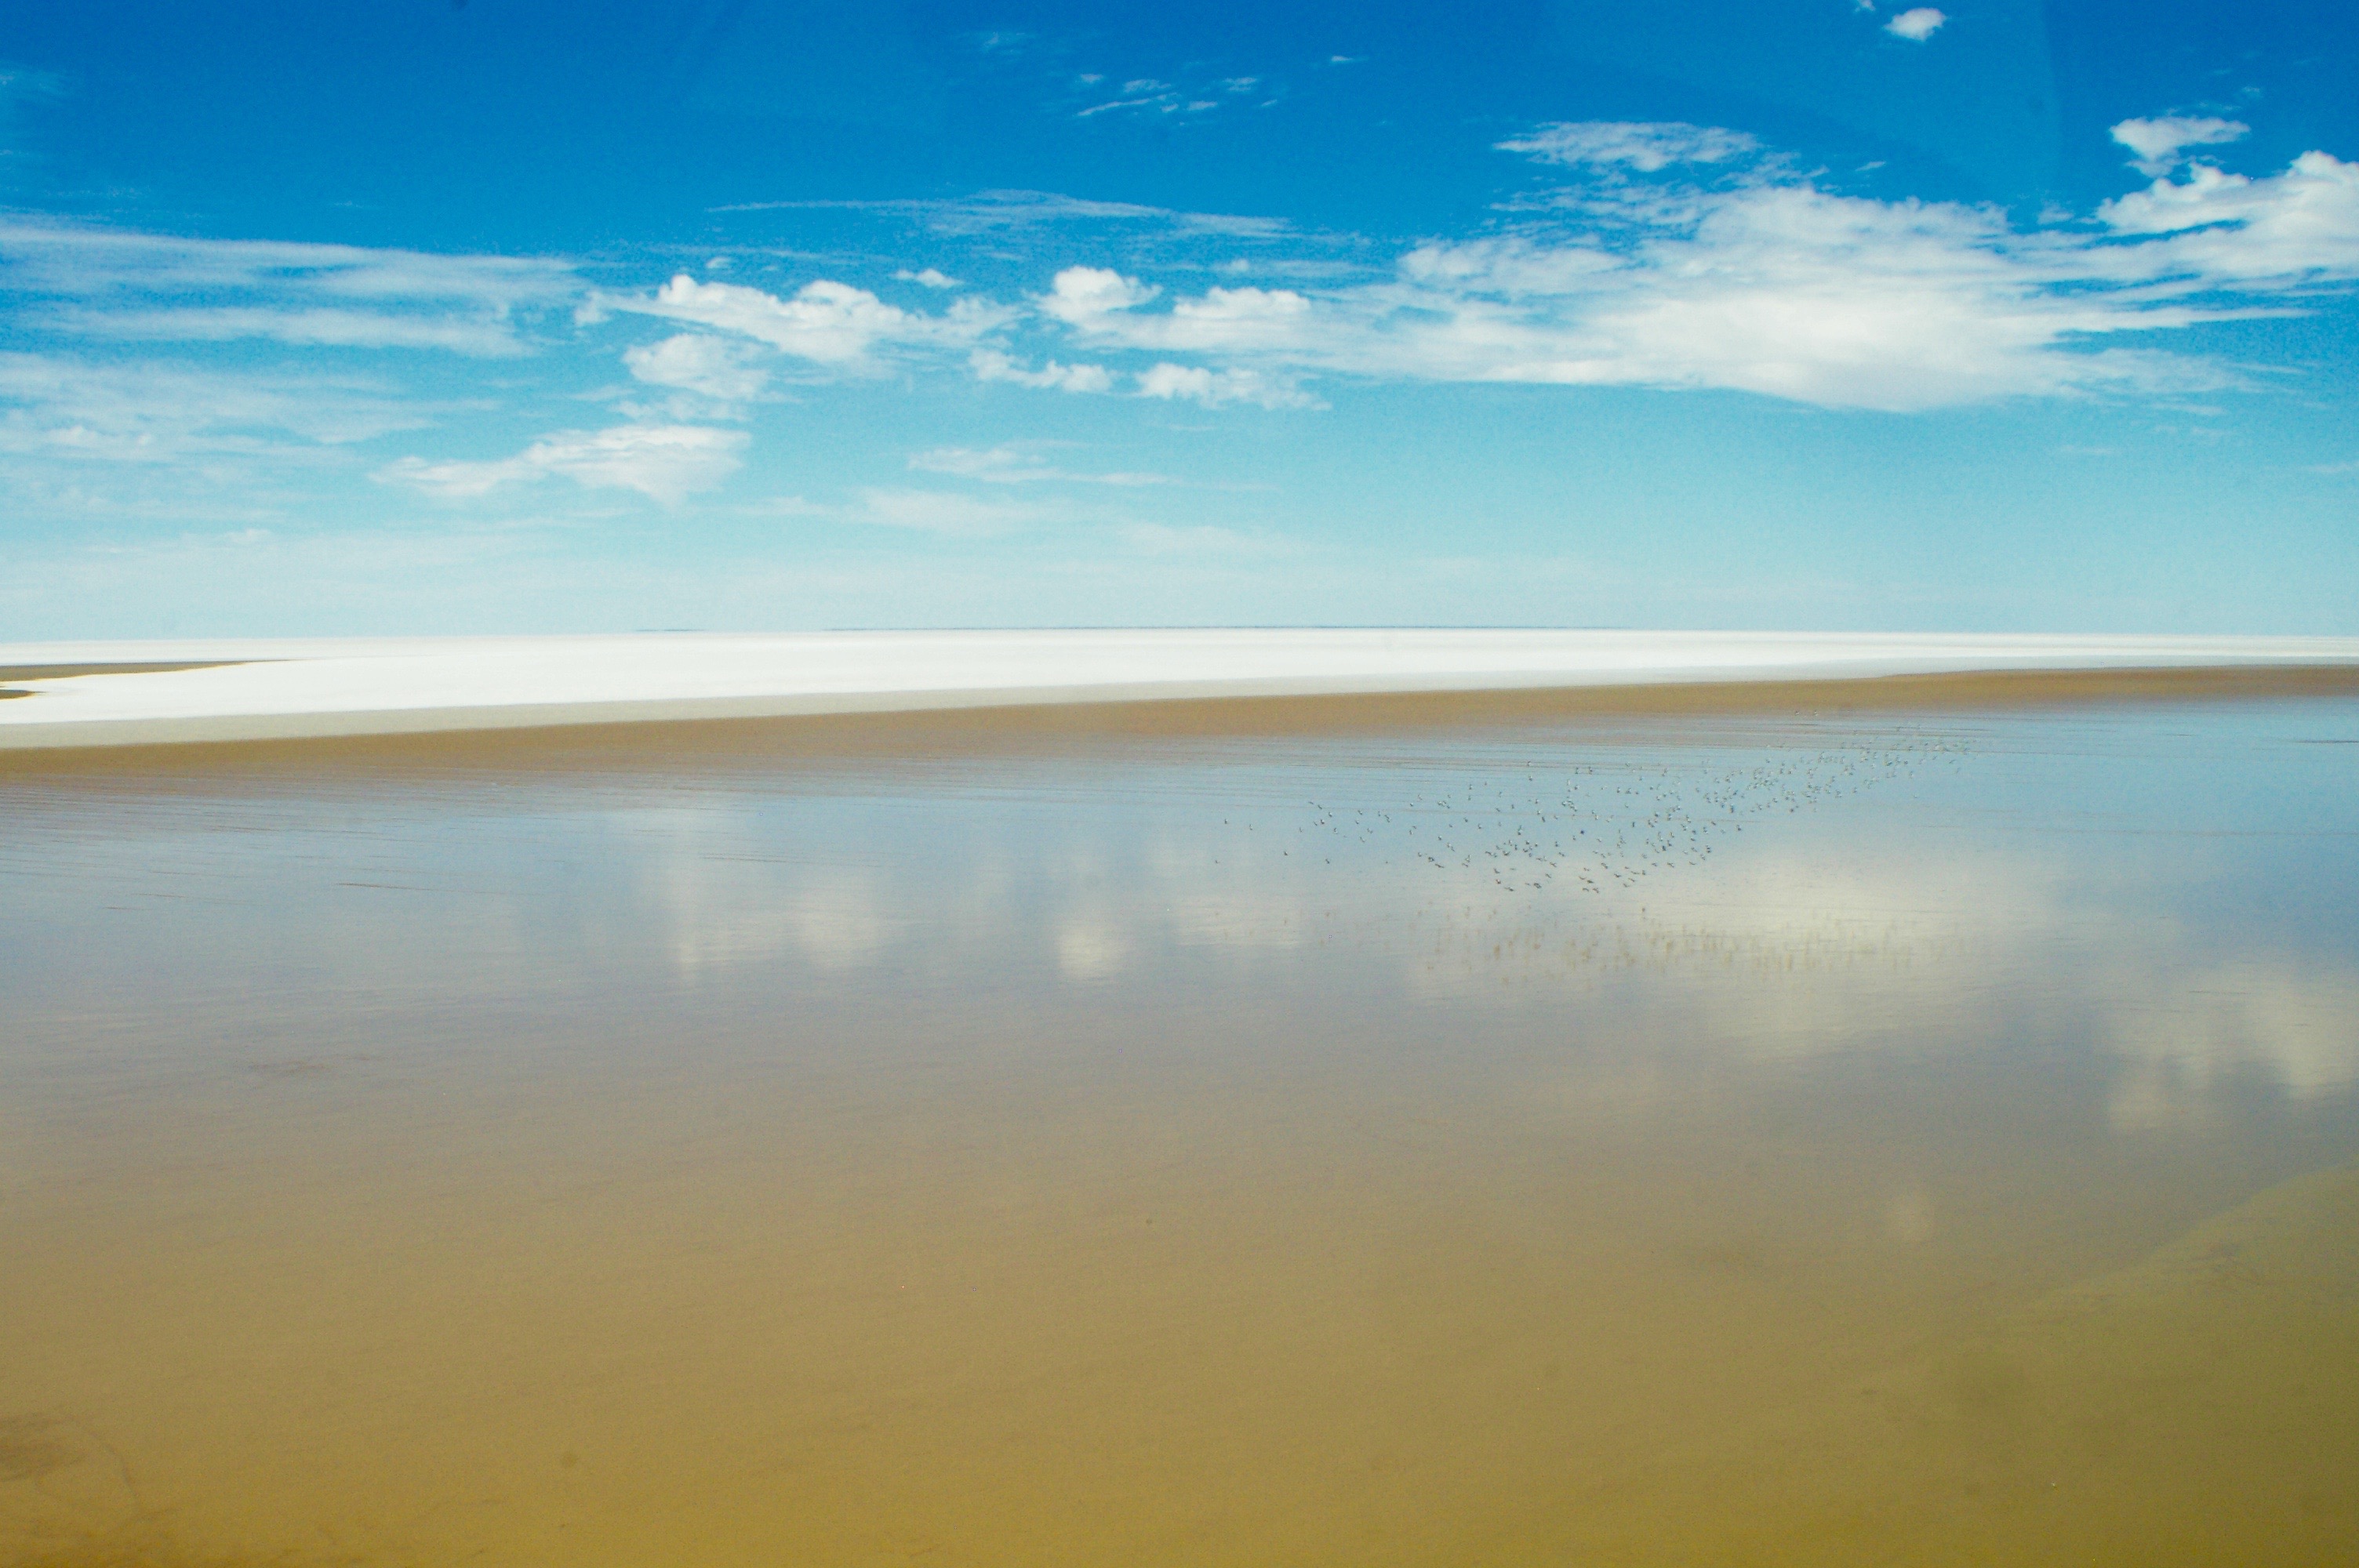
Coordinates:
[129,694]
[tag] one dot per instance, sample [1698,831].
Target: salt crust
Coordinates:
[276,688]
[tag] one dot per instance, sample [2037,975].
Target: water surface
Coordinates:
[1689,1141]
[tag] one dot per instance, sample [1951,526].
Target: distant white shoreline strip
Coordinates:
[272,688]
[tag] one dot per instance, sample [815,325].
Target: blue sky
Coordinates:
[737,314]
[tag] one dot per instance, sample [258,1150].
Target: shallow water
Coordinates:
[1685,1141]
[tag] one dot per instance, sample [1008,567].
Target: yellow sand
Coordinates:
[1087,1338]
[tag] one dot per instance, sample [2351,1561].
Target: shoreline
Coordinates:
[663,735]
[86,695]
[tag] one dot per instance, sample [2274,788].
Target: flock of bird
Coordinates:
[1605,826]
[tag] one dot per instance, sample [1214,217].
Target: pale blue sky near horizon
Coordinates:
[751,315]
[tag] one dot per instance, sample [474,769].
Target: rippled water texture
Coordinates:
[1681,1141]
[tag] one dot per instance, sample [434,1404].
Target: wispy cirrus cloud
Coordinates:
[299,327]
[20,83]
[1202,539]
[1019,463]
[1644,146]
[66,406]
[1002,212]
[86,281]
[1149,97]
[946,513]
[666,463]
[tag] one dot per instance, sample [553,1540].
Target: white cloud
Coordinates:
[1759,281]
[2157,142]
[830,323]
[44,256]
[125,284]
[1017,464]
[695,361]
[66,407]
[666,462]
[931,277]
[990,365]
[1146,95]
[310,327]
[1236,318]
[1214,387]
[1510,267]
[938,512]
[1156,100]
[1917,24]
[1102,305]
[2219,230]
[1646,147]
[825,321]
[1002,212]
[1084,294]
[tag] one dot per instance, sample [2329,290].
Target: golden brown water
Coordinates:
[1924,1139]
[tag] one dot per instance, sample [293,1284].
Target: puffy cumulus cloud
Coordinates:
[2158,142]
[832,323]
[1917,24]
[698,363]
[992,364]
[2226,230]
[1085,295]
[1760,280]
[665,462]
[1639,146]
[1236,318]
[1197,384]
[825,322]
[1784,290]
[1101,307]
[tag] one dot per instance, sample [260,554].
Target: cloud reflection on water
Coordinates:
[1826,929]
